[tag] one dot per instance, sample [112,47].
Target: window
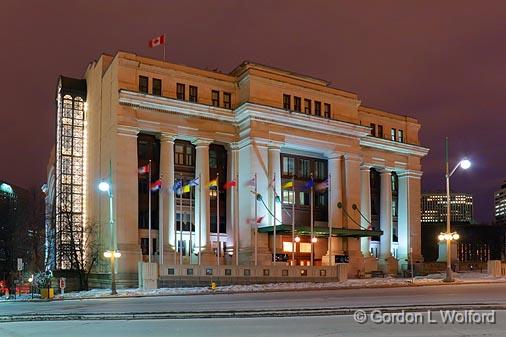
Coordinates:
[179,154]
[318,108]
[180,91]
[400,136]
[380,131]
[287,102]
[392,134]
[296,103]
[215,98]
[189,155]
[304,168]
[321,199]
[227,100]
[288,197]
[157,87]
[288,166]
[326,110]
[373,129]
[145,246]
[213,161]
[307,106]
[304,198]
[319,170]
[193,93]
[143,84]
[287,246]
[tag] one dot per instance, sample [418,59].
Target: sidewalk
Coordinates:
[429,280]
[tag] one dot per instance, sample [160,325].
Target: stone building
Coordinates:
[259,126]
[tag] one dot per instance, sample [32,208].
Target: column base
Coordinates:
[388,265]
[370,263]
[247,257]
[356,264]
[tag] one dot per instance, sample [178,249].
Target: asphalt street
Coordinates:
[257,327]
[492,293]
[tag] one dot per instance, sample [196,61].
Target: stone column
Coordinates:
[352,206]
[387,262]
[202,202]
[253,159]
[365,207]
[166,198]
[125,189]
[409,230]
[232,154]
[335,196]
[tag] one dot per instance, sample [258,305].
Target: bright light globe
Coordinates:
[103,186]
[465,164]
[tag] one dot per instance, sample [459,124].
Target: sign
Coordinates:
[62,285]
[20,264]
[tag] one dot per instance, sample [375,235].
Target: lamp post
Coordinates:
[449,236]
[111,254]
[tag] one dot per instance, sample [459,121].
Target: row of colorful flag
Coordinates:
[308,185]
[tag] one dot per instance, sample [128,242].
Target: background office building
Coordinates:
[434,207]
[500,205]
[258,126]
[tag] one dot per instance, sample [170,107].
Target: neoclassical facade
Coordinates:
[260,127]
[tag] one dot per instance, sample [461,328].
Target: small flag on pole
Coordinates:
[194,182]
[156,41]
[155,186]
[250,183]
[177,186]
[322,186]
[229,184]
[144,169]
[309,184]
[287,185]
[213,183]
[258,220]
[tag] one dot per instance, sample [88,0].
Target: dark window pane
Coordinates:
[227,100]
[193,94]
[296,103]
[215,98]
[373,129]
[287,102]
[180,91]
[157,87]
[326,110]
[143,84]
[307,106]
[317,108]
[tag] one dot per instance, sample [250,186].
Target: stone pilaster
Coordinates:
[202,201]
[365,207]
[386,260]
[166,199]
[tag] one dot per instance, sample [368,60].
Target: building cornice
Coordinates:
[388,145]
[249,111]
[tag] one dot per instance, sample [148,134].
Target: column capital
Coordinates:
[234,146]
[352,157]
[385,172]
[334,155]
[126,130]
[275,145]
[167,137]
[410,174]
[365,167]
[198,142]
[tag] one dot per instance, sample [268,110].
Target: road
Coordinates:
[258,327]
[493,293]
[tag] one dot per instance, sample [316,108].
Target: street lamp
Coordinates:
[112,255]
[449,236]
[105,186]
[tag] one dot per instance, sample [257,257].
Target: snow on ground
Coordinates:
[352,283]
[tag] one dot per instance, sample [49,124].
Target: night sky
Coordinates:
[442,62]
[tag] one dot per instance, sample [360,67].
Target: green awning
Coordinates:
[321,231]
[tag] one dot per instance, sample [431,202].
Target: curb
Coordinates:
[241,314]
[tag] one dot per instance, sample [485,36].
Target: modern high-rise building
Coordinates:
[434,207]
[334,180]
[500,205]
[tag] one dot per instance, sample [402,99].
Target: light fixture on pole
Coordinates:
[449,236]
[105,186]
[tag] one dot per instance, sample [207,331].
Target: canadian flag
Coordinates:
[157,41]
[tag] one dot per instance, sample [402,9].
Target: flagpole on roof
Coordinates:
[149,212]
[163,47]
[312,222]
[329,219]
[256,223]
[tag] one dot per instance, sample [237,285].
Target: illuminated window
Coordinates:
[296,103]
[179,154]
[318,108]
[215,98]
[288,197]
[180,91]
[304,247]
[287,104]
[307,106]
[320,170]
[288,166]
[287,246]
[304,168]
[303,198]
[157,87]
[143,84]
[227,100]
[193,93]
[392,134]
[400,136]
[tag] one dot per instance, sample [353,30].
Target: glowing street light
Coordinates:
[297,239]
[314,240]
[111,254]
[104,186]
[449,236]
